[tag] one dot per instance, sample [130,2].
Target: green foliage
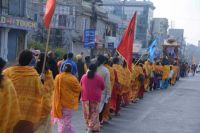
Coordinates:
[59,52]
[37,45]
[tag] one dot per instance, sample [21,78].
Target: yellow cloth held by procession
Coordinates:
[137,84]
[29,90]
[9,105]
[48,92]
[147,69]
[127,80]
[175,69]
[133,84]
[66,93]
[119,70]
[166,71]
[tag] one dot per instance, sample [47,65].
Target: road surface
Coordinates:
[175,110]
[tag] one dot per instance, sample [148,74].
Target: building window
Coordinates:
[71,10]
[62,20]
[4,7]
[35,17]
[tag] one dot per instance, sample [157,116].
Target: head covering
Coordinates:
[78,57]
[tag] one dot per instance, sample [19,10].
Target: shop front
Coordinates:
[13,35]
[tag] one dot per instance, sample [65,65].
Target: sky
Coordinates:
[184,14]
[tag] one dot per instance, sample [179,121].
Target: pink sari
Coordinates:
[64,123]
[91,115]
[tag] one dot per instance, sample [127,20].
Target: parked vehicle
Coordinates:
[198,69]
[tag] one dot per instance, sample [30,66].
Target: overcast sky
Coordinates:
[183,14]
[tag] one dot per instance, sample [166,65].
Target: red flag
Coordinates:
[125,48]
[50,8]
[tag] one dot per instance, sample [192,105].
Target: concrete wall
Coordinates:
[16,7]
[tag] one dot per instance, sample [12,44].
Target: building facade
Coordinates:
[70,20]
[15,23]
[159,29]
[126,9]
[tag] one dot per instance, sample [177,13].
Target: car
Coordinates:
[198,69]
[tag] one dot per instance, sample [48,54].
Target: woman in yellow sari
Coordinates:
[9,105]
[65,99]
[48,81]
[29,87]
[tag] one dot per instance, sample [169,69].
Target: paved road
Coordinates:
[175,110]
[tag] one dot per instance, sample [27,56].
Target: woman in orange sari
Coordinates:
[29,90]
[9,105]
[117,90]
[65,99]
[48,82]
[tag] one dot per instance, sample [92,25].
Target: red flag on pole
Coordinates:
[50,8]
[125,48]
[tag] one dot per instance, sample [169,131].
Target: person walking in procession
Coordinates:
[92,87]
[65,99]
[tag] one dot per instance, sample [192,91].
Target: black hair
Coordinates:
[92,71]
[70,55]
[124,64]
[116,60]
[87,58]
[100,60]
[25,58]
[68,67]
[106,60]
[65,56]
[2,65]
[40,63]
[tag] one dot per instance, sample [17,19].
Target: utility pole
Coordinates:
[93,22]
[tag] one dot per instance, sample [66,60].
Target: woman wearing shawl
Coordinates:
[65,99]
[9,105]
[29,90]
[117,89]
[92,87]
[48,82]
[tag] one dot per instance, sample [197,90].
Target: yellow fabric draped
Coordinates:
[126,80]
[119,70]
[9,106]
[133,84]
[166,70]
[136,83]
[29,90]
[147,69]
[66,93]
[175,69]
[48,92]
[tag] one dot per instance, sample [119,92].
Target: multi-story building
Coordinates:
[70,20]
[126,9]
[177,34]
[159,29]
[15,23]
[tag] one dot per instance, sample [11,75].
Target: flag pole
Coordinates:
[46,51]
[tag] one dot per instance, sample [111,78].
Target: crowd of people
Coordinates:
[186,69]
[33,98]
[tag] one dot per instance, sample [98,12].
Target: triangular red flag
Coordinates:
[50,8]
[125,48]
